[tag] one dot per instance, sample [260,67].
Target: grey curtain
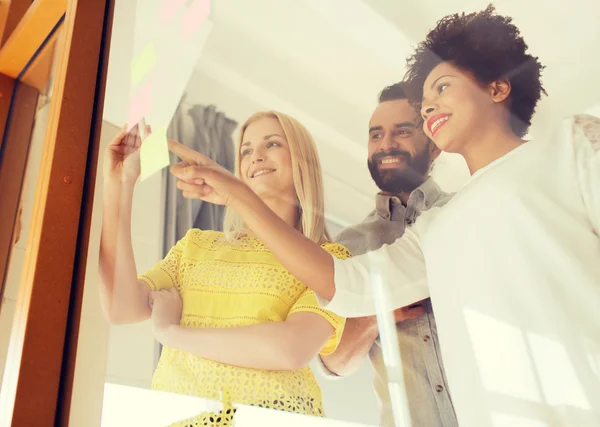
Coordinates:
[209,132]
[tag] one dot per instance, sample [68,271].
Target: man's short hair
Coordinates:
[394,92]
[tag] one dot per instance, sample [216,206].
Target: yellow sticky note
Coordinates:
[143,63]
[154,153]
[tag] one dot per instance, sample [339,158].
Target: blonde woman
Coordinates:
[230,317]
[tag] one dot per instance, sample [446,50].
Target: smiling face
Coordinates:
[265,159]
[456,108]
[399,152]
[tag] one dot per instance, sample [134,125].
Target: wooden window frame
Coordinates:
[39,372]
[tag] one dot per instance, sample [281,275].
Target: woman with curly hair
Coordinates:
[512,262]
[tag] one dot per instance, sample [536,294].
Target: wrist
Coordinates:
[167,336]
[240,197]
[119,183]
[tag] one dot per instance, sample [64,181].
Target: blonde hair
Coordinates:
[306,173]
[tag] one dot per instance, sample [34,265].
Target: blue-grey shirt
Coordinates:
[429,401]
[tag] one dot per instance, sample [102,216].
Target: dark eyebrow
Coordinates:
[405,125]
[440,77]
[397,125]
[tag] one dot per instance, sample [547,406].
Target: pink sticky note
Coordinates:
[140,105]
[168,9]
[194,17]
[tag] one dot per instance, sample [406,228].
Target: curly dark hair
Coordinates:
[490,47]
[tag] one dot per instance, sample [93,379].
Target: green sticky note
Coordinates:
[143,63]
[154,153]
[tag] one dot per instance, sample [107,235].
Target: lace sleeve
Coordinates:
[308,303]
[165,273]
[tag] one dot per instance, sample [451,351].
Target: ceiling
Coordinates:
[324,62]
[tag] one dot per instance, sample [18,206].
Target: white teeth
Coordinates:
[262,172]
[388,161]
[439,122]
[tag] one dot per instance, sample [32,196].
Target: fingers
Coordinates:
[180,150]
[118,139]
[194,191]
[202,192]
[133,138]
[142,135]
[177,170]
[187,154]
[191,187]
[409,313]
[191,180]
[191,173]
[136,131]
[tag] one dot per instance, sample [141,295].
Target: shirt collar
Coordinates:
[422,197]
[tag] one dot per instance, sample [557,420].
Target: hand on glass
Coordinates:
[199,177]
[410,312]
[122,156]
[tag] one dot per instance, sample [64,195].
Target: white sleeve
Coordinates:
[400,267]
[586,140]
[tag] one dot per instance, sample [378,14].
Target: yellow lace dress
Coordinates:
[226,284]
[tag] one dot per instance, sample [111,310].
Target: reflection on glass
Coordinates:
[353,117]
[37,76]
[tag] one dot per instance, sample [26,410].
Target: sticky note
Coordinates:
[143,63]
[139,105]
[168,9]
[194,17]
[154,153]
[174,80]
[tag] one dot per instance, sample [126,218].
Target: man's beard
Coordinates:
[404,179]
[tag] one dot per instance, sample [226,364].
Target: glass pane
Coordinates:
[38,77]
[325,64]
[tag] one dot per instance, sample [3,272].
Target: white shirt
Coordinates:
[512,265]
